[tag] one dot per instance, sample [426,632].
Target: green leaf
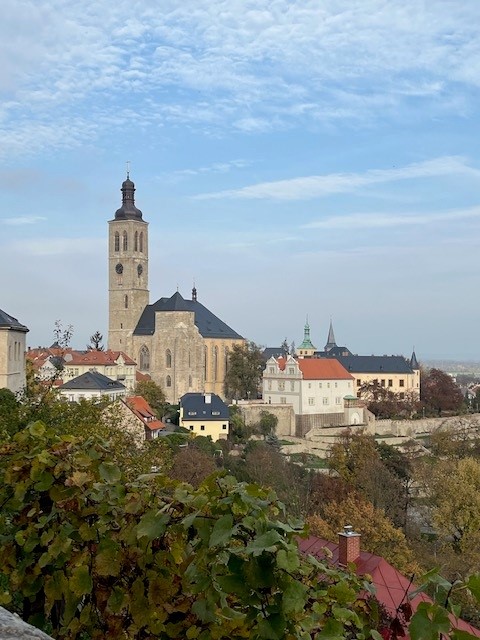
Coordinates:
[201,609]
[109,472]
[222,531]
[107,561]
[265,542]
[428,622]
[81,581]
[473,584]
[288,560]
[294,597]
[153,524]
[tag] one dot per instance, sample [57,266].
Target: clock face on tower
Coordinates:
[139,270]
[119,268]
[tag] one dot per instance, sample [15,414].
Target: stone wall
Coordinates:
[251,413]
[14,628]
[412,428]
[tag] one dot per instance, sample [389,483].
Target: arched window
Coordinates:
[117,241]
[125,241]
[144,358]
[168,359]
[189,381]
[215,363]
[125,301]
[135,241]
[226,359]
[168,381]
[206,363]
[141,241]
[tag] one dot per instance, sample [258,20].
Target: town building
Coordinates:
[62,364]
[135,416]
[91,386]
[204,414]
[320,390]
[12,353]
[180,343]
[306,349]
[395,373]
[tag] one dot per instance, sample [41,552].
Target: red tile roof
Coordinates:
[319,369]
[140,377]
[97,357]
[391,586]
[140,407]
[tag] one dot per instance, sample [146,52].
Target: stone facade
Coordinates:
[12,353]
[14,628]
[178,342]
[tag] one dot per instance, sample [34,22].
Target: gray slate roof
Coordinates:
[375,364]
[207,323]
[194,403]
[92,381]
[9,322]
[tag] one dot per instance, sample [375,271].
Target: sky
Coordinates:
[293,158]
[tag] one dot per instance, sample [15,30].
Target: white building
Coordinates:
[92,386]
[12,353]
[320,390]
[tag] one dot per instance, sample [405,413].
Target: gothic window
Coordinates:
[117,241]
[135,241]
[168,381]
[226,359]
[168,358]
[205,362]
[125,241]
[215,363]
[144,359]
[141,242]
[189,381]
[125,301]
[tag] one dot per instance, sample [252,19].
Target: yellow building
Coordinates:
[204,414]
[395,373]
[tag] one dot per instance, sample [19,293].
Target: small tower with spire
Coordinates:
[306,349]
[331,344]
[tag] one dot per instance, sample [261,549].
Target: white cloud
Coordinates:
[42,247]
[22,220]
[228,64]
[385,220]
[318,186]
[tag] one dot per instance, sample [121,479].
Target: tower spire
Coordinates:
[331,338]
[128,210]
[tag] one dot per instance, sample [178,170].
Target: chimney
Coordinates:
[348,545]
[208,398]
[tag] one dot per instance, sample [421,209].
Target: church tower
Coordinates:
[127,270]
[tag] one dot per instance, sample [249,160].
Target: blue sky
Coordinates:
[305,157]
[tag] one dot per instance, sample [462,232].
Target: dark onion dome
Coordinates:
[128,210]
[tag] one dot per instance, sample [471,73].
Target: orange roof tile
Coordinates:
[319,369]
[144,412]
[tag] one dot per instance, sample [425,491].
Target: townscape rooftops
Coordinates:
[319,369]
[375,364]
[9,322]
[195,407]
[207,323]
[92,381]
[73,357]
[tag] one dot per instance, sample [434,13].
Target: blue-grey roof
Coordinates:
[375,364]
[273,352]
[207,323]
[93,381]
[9,322]
[195,407]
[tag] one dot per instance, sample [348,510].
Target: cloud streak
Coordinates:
[22,220]
[310,187]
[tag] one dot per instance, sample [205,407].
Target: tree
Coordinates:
[439,392]
[153,394]
[267,424]
[192,465]
[379,535]
[89,555]
[96,341]
[244,372]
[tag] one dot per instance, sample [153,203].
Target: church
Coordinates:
[182,345]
